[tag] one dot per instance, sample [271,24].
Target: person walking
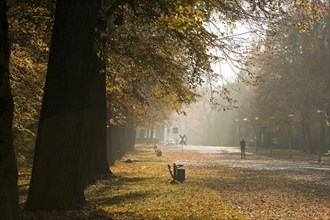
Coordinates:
[243,144]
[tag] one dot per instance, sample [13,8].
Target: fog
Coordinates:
[204,125]
[279,97]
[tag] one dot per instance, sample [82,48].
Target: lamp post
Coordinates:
[320,112]
[245,126]
[272,134]
[257,134]
[327,118]
[236,138]
[290,133]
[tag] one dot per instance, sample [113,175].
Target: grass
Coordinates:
[142,190]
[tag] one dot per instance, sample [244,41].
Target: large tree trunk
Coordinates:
[114,141]
[99,121]
[99,99]
[63,155]
[306,135]
[110,146]
[110,142]
[121,141]
[130,136]
[8,167]
[94,159]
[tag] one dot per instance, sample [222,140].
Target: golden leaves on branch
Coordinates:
[183,17]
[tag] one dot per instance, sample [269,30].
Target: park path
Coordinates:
[261,187]
[305,170]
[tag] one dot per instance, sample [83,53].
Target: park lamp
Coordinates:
[321,135]
[245,119]
[319,111]
[256,118]
[290,115]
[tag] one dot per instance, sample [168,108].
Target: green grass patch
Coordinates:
[142,190]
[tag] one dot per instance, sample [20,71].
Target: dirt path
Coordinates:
[304,170]
[261,187]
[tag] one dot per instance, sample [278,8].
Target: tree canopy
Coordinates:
[154,54]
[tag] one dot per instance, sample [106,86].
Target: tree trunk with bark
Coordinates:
[130,136]
[306,134]
[99,121]
[110,146]
[8,167]
[64,147]
[121,141]
[115,141]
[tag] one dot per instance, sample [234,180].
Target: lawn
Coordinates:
[142,189]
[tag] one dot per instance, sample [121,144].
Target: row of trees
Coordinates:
[292,100]
[112,63]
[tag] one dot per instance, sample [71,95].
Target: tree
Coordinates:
[8,168]
[64,158]
[62,162]
[295,79]
[30,39]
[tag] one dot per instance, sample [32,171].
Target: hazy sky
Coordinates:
[242,35]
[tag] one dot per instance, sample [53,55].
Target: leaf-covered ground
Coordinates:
[142,190]
[282,191]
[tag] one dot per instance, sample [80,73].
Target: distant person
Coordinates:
[243,144]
